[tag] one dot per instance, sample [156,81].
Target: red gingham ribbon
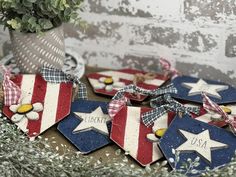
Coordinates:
[116,105]
[12,92]
[168,69]
[210,105]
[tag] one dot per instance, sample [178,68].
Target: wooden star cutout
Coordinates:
[96,120]
[202,86]
[200,143]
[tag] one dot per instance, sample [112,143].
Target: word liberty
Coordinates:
[92,119]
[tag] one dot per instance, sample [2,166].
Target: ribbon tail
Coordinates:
[158,101]
[82,92]
[116,105]
[210,105]
[195,110]
[53,75]
[164,90]
[175,106]
[150,117]
[12,92]
[168,69]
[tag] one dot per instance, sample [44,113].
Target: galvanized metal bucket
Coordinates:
[32,51]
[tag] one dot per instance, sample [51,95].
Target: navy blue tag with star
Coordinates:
[87,126]
[207,145]
[190,89]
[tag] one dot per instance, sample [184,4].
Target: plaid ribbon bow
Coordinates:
[210,105]
[12,92]
[163,104]
[168,69]
[119,100]
[57,76]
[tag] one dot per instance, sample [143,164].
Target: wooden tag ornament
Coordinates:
[130,134]
[88,125]
[42,104]
[109,82]
[195,140]
[190,89]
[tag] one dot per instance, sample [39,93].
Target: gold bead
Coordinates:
[108,81]
[160,132]
[226,109]
[25,108]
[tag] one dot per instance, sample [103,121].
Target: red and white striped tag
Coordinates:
[56,100]
[130,134]
[126,76]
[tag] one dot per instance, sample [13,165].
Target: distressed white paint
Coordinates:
[110,45]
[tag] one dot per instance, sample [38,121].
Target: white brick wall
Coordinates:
[198,36]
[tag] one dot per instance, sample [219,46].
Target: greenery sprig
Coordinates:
[38,15]
[21,157]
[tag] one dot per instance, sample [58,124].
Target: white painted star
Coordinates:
[96,120]
[202,86]
[200,143]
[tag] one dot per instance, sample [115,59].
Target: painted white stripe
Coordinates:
[131,139]
[50,106]
[156,152]
[27,89]
[130,77]
[27,86]
[161,122]
[204,118]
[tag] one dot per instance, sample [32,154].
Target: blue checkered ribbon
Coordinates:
[162,105]
[134,89]
[53,75]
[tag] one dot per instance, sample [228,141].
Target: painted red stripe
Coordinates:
[17,80]
[96,76]
[218,124]
[145,147]
[134,71]
[118,127]
[64,101]
[171,116]
[131,71]
[40,88]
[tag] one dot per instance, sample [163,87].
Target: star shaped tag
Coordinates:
[202,86]
[193,139]
[200,143]
[190,89]
[95,120]
[88,125]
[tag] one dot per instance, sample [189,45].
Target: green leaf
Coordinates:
[14,24]
[25,15]
[45,24]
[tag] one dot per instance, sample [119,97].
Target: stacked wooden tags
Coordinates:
[198,139]
[86,124]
